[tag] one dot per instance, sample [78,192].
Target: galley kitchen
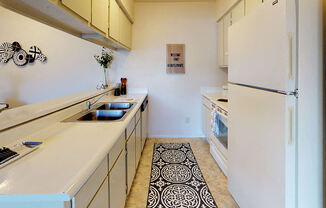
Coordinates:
[161,104]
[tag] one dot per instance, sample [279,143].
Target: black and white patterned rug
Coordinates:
[176,180]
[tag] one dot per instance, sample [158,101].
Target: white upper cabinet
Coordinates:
[114,20]
[252,5]
[128,8]
[125,29]
[226,25]
[100,15]
[223,6]
[234,12]
[220,43]
[81,7]
[238,12]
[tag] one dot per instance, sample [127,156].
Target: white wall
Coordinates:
[310,139]
[175,109]
[70,67]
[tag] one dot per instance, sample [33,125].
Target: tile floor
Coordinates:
[214,177]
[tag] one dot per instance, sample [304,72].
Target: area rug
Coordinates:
[176,180]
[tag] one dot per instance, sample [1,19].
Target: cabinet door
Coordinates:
[252,5]
[208,123]
[101,198]
[238,11]
[226,25]
[117,178]
[81,7]
[131,159]
[138,142]
[125,29]
[128,6]
[100,15]
[114,30]
[220,43]
[204,119]
[144,120]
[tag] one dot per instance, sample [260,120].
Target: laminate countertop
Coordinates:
[213,97]
[69,155]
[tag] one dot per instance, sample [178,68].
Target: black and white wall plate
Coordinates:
[19,55]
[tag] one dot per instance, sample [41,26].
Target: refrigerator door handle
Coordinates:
[290,41]
[290,125]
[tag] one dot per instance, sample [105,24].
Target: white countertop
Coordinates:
[213,97]
[63,163]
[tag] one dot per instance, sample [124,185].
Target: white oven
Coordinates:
[219,138]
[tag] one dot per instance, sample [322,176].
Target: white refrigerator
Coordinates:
[263,98]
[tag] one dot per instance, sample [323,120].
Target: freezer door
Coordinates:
[261,152]
[262,47]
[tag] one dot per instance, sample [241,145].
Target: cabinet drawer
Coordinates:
[138,115]
[206,102]
[131,127]
[116,149]
[89,189]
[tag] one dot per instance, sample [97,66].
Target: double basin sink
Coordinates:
[103,112]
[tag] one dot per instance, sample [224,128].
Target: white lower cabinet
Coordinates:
[206,120]
[117,178]
[101,199]
[131,159]
[110,183]
[87,192]
[139,146]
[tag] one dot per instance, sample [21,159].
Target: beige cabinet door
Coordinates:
[117,178]
[238,12]
[101,198]
[252,5]
[81,7]
[138,142]
[226,25]
[128,7]
[100,15]
[220,43]
[114,29]
[125,29]
[131,159]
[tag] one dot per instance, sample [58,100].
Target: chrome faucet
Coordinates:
[3,106]
[89,104]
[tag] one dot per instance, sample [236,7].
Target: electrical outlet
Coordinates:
[187,119]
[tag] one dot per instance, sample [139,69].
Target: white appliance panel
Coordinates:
[261,47]
[261,153]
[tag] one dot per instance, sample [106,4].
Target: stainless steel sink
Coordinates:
[114,106]
[103,112]
[103,115]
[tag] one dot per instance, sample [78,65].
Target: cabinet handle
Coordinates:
[290,40]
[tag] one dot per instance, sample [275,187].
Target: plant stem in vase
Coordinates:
[105,79]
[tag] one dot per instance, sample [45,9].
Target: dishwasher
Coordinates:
[144,121]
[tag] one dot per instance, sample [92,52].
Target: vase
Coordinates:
[105,78]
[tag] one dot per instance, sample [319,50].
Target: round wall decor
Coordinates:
[20,58]
[6,52]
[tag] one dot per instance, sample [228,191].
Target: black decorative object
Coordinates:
[16,46]
[176,180]
[20,57]
[30,58]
